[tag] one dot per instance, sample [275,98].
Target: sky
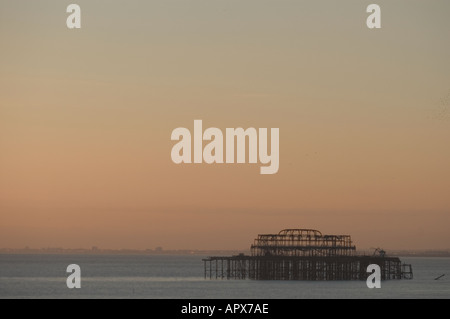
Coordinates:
[86,117]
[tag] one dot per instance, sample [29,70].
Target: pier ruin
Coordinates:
[304,254]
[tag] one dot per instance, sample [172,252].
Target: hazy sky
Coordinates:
[86,118]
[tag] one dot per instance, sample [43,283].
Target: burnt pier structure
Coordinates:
[304,254]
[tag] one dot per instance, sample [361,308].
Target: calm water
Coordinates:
[44,276]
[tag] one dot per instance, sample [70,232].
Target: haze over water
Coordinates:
[86,118]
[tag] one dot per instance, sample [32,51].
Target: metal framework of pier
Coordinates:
[303,254]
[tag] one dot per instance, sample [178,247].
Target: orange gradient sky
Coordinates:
[86,117]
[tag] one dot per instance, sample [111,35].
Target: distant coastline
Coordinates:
[160,251]
[99,251]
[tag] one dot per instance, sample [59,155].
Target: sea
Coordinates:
[182,277]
